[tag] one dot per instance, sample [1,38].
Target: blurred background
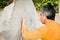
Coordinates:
[4,3]
[37,3]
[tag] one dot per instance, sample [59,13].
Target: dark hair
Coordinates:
[50,11]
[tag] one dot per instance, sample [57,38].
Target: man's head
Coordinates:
[47,12]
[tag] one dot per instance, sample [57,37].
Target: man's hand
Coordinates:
[1,38]
[24,21]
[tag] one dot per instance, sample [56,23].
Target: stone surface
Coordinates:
[11,21]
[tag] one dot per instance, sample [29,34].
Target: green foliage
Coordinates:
[4,3]
[39,3]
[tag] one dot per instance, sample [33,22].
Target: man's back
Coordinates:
[53,32]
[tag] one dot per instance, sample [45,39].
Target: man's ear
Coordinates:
[13,0]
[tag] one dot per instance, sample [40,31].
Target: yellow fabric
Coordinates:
[50,31]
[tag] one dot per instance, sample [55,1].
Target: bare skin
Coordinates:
[1,38]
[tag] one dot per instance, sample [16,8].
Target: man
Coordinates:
[51,29]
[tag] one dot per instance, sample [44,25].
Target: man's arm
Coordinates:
[33,34]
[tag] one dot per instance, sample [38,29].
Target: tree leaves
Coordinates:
[4,3]
[39,3]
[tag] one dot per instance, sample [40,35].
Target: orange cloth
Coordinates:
[50,31]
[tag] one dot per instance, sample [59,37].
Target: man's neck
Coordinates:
[46,21]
